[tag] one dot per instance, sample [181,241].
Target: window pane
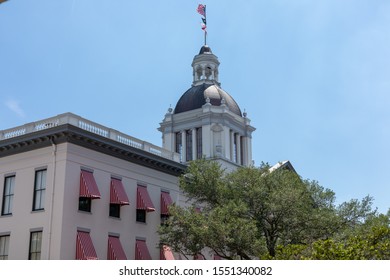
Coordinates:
[43,179]
[39,190]
[188,145]
[141,216]
[85,204]
[115,210]
[179,145]
[35,245]
[9,185]
[199,143]
[8,194]
[4,247]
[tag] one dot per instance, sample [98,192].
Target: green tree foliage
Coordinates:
[255,213]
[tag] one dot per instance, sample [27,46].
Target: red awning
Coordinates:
[166,253]
[115,249]
[166,201]
[117,193]
[84,247]
[143,200]
[198,257]
[141,250]
[88,186]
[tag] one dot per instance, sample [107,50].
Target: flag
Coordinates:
[204,27]
[204,21]
[202,10]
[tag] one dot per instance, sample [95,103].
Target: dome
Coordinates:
[205,49]
[195,98]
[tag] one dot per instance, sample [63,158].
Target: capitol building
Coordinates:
[74,189]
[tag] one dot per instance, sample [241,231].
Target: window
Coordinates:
[39,190]
[35,245]
[199,143]
[4,247]
[179,145]
[118,197]
[144,204]
[235,156]
[88,190]
[115,210]
[141,250]
[115,250]
[166,202]
[84,247]
[141,215]
[189,145]
[85,204]
[8,195]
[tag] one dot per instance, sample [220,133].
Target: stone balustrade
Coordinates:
[69,118]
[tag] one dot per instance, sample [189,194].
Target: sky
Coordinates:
[313,76]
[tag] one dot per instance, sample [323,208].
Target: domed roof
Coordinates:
[195,98]
[205,49]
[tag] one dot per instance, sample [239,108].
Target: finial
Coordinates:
[170,109]
[245,114]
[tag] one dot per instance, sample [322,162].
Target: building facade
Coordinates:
[74,189]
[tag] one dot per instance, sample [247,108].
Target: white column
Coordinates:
[245,151]
[183,146]
[232,145]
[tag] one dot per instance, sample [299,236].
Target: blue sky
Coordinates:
[313,76]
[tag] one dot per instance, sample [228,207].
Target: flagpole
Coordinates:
[205,31]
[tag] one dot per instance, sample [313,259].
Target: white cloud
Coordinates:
[14,106]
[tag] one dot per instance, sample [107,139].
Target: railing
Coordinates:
[69,118]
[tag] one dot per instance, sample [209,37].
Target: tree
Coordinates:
[249,212]
[368,241]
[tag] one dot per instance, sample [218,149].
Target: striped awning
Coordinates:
[143,200]
[115,250]
[117,193]
[166,253]
[199,257]
[88,186]
[141,250]
[166,201]
[84,247]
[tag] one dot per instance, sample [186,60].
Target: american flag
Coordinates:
[202,10]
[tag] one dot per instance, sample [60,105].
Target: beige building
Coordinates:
[74,189]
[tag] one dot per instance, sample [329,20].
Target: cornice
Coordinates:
[68,133]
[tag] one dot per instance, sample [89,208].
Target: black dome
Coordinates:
[205,49]
[195,98]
